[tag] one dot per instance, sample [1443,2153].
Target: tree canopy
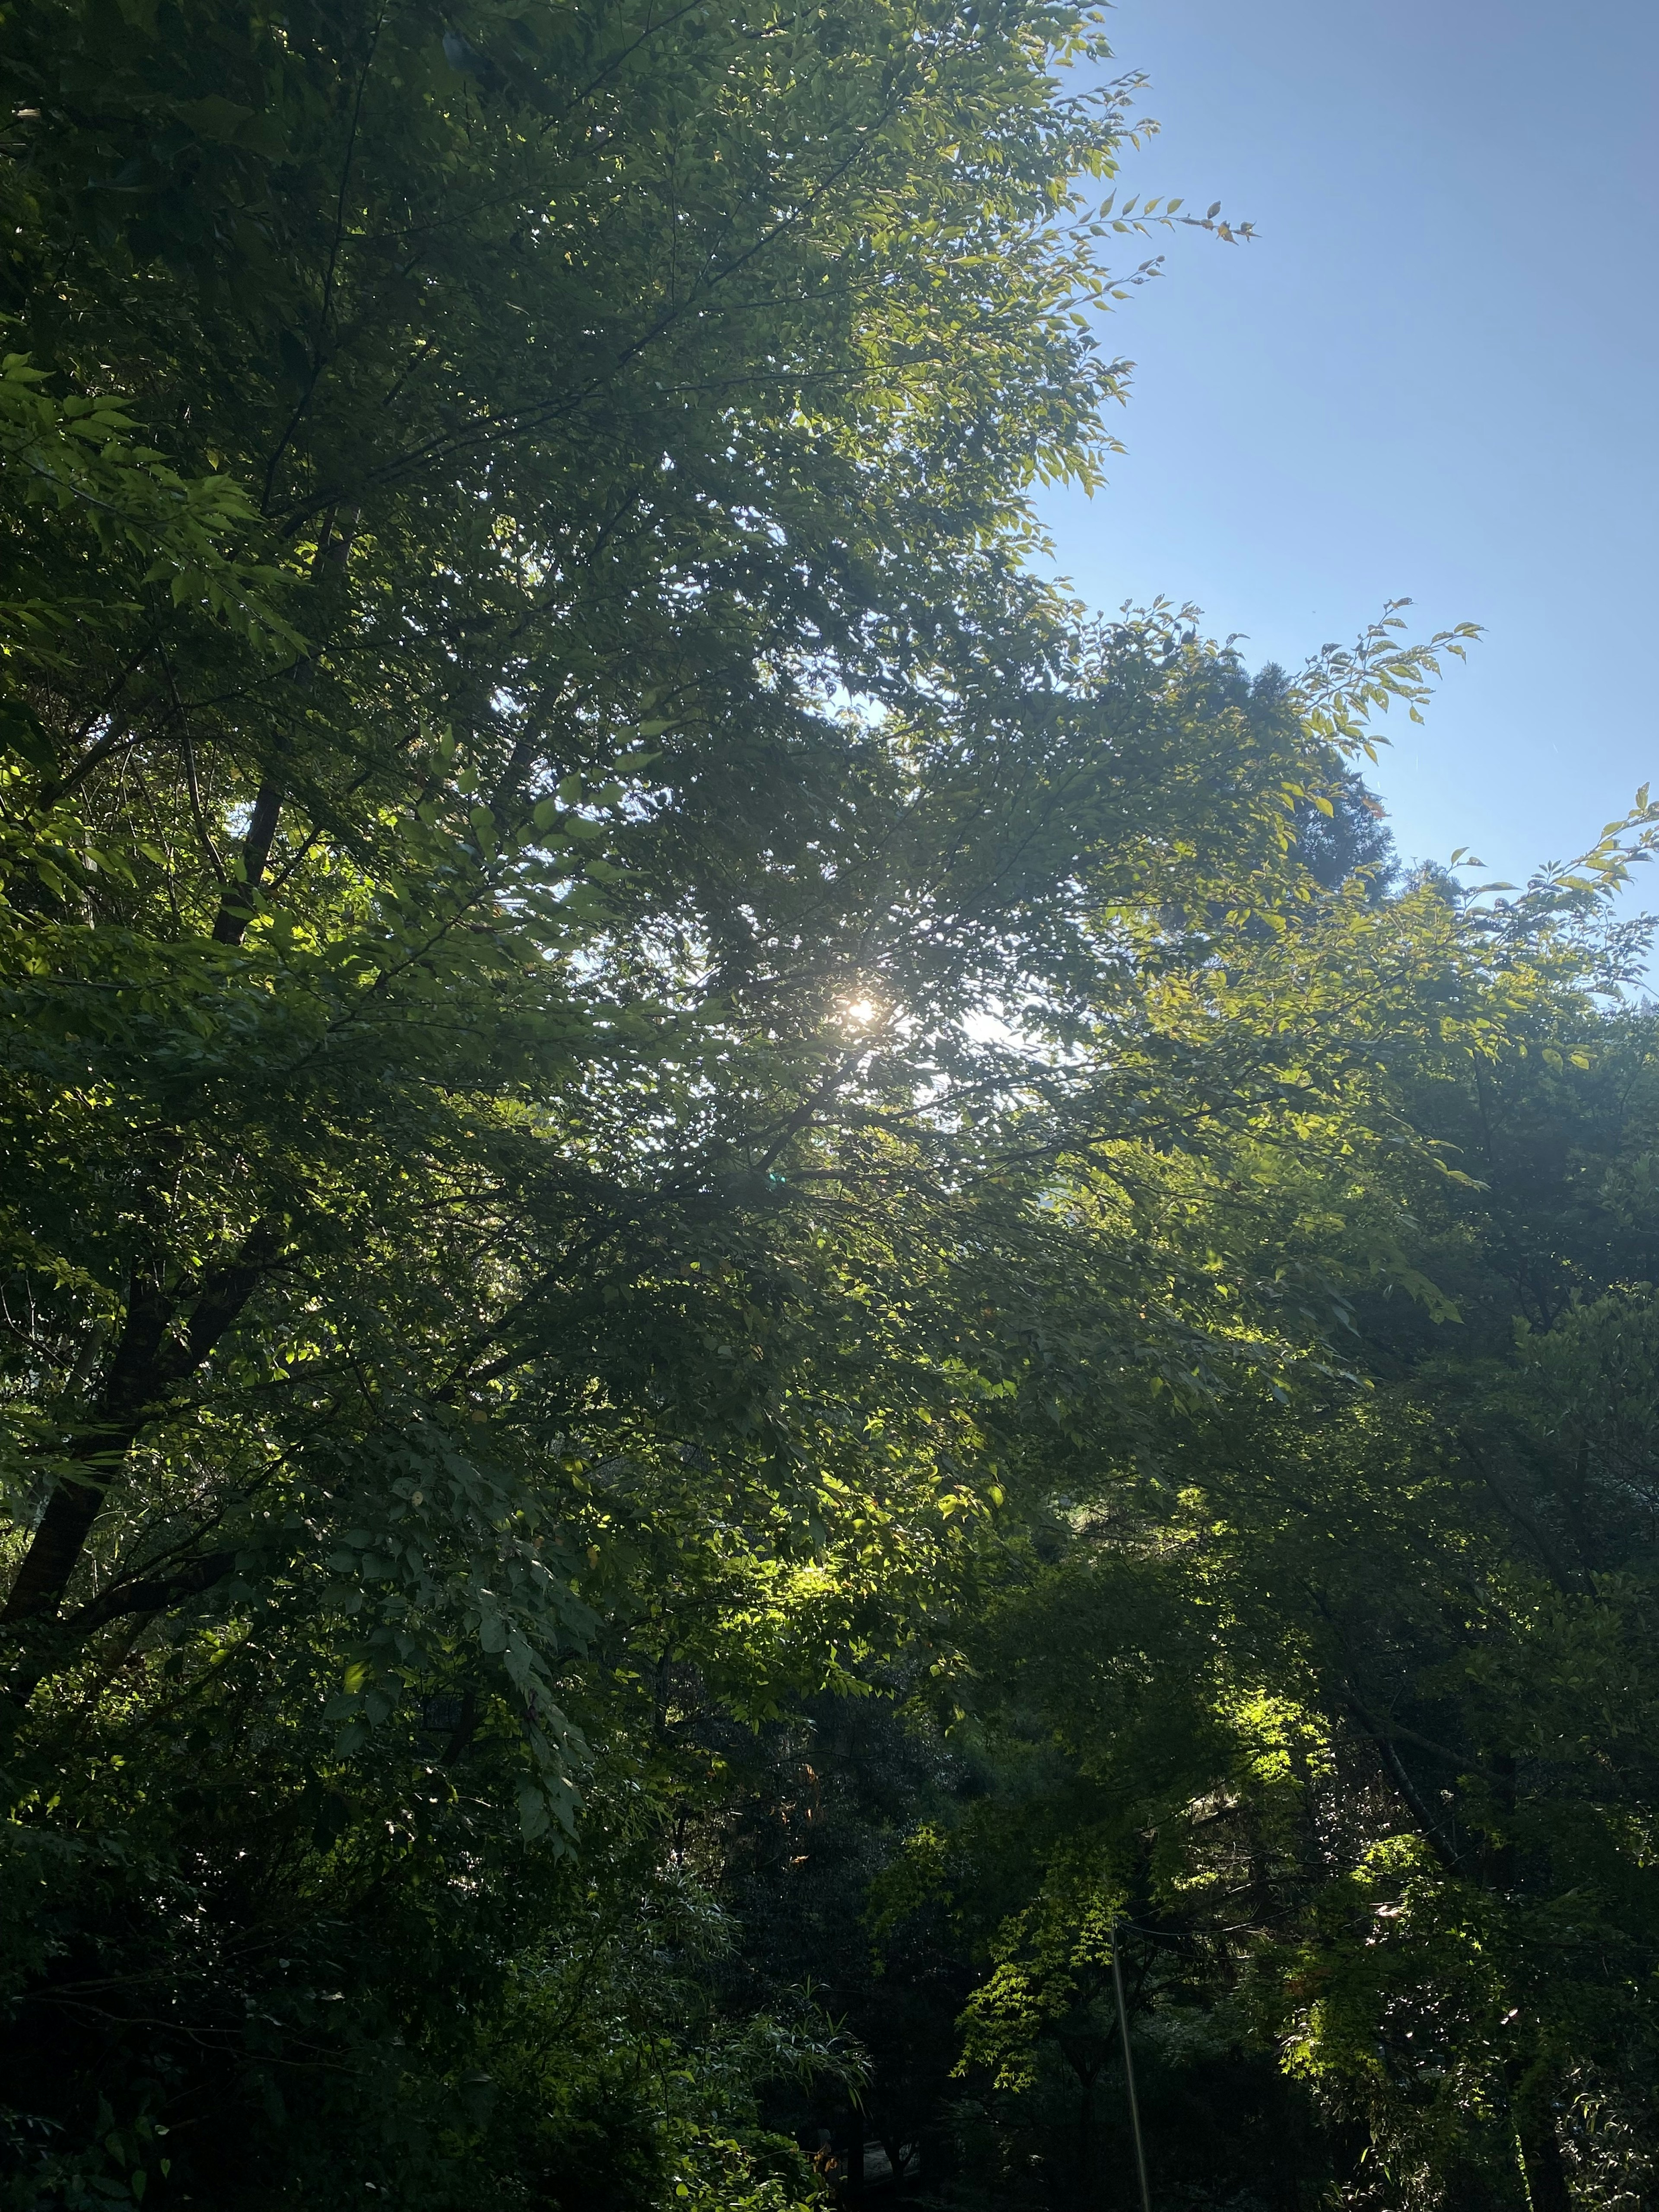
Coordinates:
[759,1294]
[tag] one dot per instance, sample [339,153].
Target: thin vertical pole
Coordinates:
[1129,2076]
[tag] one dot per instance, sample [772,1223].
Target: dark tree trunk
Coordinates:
[152,1356]
[1540,2153]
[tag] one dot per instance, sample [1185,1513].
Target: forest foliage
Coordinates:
[757,1290]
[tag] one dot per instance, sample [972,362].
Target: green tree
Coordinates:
[643,1084]
[1335,1686]
[528,736]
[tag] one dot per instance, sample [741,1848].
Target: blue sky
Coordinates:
[1432,376]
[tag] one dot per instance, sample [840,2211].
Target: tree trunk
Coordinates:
[1541,2154]
[73,1506]
[152,1358]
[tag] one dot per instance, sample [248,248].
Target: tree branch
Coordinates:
[150,1361]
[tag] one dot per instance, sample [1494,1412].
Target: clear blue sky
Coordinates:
[1433,375]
